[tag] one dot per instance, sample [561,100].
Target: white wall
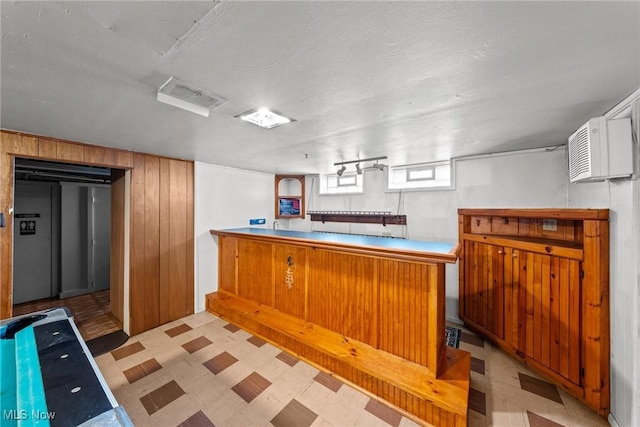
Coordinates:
[224,198]
[525,179]
[624,225]
[622,197]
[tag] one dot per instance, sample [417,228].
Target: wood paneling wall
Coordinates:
[161,241]
[161,225]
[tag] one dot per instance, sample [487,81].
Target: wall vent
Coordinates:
[188,97]
[601,149]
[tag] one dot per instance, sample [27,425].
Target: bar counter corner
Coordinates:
[367,309]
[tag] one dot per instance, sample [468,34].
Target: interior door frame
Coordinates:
[16,144]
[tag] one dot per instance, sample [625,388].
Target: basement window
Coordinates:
[345,184]
[434,175]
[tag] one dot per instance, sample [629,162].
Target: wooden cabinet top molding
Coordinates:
[540,213]
[412,250]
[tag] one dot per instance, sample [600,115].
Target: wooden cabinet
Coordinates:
[536,283]
[289,196]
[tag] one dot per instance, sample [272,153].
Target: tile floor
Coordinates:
[203,371]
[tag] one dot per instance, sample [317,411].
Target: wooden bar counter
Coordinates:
[368,309]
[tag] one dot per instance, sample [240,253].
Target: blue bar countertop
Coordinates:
[437,251]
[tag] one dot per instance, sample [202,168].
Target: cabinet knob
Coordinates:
[514,255]
[500,251]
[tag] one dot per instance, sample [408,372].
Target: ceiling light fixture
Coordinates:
[379,166]
[359,170]
[188,97]
[265,118]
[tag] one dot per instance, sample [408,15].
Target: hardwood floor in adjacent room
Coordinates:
[91,312]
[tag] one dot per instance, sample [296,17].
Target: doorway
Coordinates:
[62,236]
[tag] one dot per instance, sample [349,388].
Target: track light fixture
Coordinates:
[359,170]
[379,166]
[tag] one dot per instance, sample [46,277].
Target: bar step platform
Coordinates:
[412,388]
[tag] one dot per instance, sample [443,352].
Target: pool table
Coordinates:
[48,376]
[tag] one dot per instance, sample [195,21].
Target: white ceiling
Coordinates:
[414,81]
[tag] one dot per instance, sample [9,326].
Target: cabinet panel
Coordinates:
[227,274]
[484,286]
[551,287]
[290,297]
[255,278]
[404,317]
[342,292]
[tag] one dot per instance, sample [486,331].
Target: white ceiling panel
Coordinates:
[414,81]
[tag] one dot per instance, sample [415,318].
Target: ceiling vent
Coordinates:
[601,149]
[183,95]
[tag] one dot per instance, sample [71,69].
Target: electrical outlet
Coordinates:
[550,224]
[257,221]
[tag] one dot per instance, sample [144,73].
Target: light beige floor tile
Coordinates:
[321,422]
[248,416]
[271,401]
[352,397]
[224,406]
[406,422]
[367,419]
[199,319]
[176,412]
[318,398]
[272,368]
[504,412]
[340,414]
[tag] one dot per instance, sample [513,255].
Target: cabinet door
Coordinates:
[484,296]
[550,304]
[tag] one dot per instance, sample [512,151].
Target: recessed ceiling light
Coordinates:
[265,118]
[188,97]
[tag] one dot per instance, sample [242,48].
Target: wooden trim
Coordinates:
[595,340]
[574,214]
[530,245]
[450,257]
[123,157]
[117,244]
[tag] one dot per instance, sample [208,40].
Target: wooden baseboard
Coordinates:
[441,400]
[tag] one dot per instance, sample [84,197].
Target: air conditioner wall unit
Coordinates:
[601,149]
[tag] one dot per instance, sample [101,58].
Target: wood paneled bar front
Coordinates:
[367,309]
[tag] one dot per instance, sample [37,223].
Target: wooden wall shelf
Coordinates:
[289,205]
[364,217]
